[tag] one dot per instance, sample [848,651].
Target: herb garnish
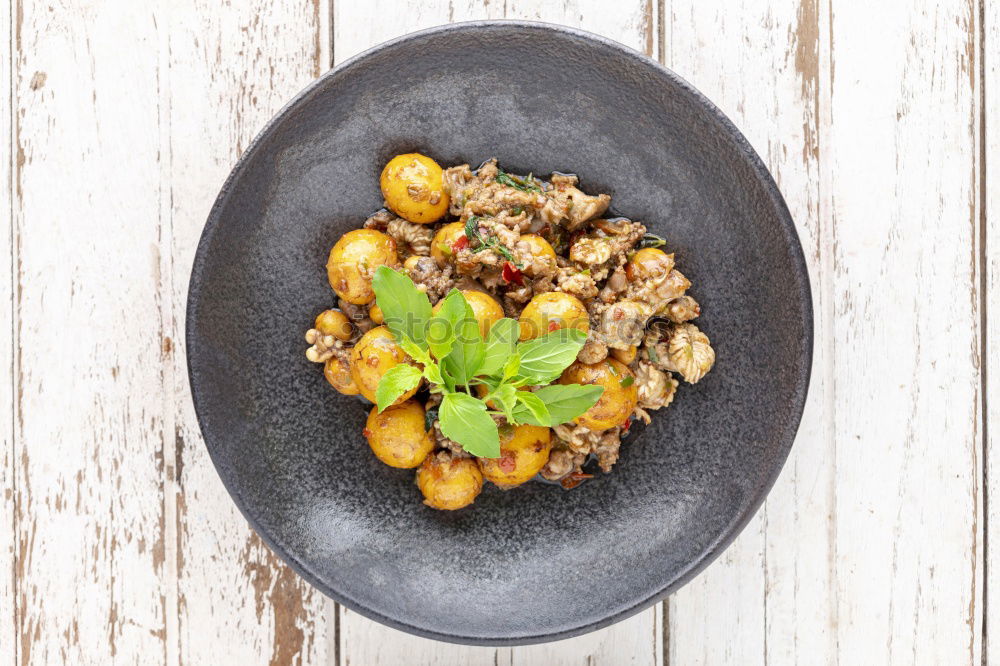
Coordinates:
[480,244]
[651,240]
[454,358]
[524,184]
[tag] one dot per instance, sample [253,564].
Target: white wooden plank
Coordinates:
[903,183]
[231,67]
[88,488]
[358,26]
[989,170]
[769,598]
[8,623]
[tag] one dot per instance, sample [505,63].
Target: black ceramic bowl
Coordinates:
[537,563]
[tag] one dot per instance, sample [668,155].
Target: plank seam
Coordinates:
[983,321]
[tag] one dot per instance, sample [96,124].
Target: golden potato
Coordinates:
[398,435]
[335,323]
[484,307]
[626,356]
[337,371]
[374,355]
[524,450]
[411,262]
[375,313]
[413,188]
[353,261]
[647,263]
[551,311]
[620,392]
[443,246]
[449,483]
[539,247]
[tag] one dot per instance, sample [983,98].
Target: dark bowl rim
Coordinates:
[800,278]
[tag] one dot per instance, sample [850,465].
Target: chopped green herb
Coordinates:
[651,240]
[518,183]
[430,416]
[651,352]
[479,244]
[628,381]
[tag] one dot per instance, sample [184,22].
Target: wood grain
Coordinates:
[88,429]
[770,598]
[358,26]
[231,67]
[989,210]
[901,153]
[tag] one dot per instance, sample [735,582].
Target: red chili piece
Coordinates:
[462,242]
[511,274]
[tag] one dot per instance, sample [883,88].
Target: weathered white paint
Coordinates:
[88,488]
[8,623]
[769,598]
[231,67]
[358,26]
[116,536]
[900,162]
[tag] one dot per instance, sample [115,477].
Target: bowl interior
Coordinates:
[535,563]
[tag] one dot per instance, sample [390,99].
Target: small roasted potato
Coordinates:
[649,263]
[337,371]
[626,356]
[484,307]
[375,314]
[374,355]
[335,323]
[551,311]
[620,392]
[539,248]
[353,261]
[398,435]
[449,483]
[524,450]
[443,247]
[413,188]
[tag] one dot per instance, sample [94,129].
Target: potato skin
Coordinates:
[615,404]
[538,247]
[524,450]
[449,483]
[353,261]
[398,436]
[338,372]
[413,188]
[648,263]
[626,356]
[485,309]
[375,313]
[551,311]
[335,323]
[444,239]
[374,355]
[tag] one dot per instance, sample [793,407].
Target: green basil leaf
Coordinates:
[445,324]
[467,352]
[405,309]
[500,344]
[567,401]
[505,398]
[531,409]
[400,379]
[464,420]
[543,359]
[431,370]
[511,367]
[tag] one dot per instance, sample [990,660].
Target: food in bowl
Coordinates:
[505,328]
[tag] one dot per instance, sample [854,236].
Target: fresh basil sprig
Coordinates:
[455,360]
[518,183]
